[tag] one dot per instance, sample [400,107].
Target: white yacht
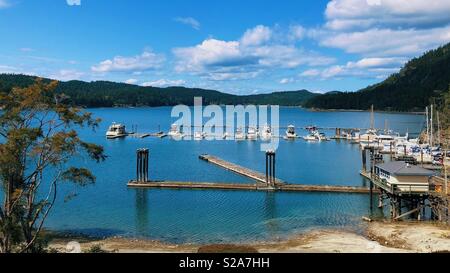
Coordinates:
[252,133]
[368,138]
[175,131]
[116,130]
[266,132]
[385,142]
[240,135]
[290,132]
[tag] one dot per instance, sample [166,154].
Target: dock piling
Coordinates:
[270,169]
[142,165]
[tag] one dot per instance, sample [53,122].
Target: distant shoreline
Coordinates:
[282,106]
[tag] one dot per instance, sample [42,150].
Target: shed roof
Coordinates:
[401,168]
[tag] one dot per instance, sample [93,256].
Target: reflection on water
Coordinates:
[220,216]
[142,211]
[270,212]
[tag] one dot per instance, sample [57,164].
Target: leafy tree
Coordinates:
[38,134]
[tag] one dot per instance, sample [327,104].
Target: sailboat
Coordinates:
[371,134]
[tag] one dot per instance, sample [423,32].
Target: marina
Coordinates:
[183,187]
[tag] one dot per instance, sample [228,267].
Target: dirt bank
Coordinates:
[380,237]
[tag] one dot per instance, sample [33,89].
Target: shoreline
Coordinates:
[281,106]
[379,237]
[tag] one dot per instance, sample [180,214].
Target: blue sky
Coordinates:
[240,47]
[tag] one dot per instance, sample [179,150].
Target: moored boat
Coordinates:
[290,132]
[116,130]
[175,132]
[266,132]
[239,135]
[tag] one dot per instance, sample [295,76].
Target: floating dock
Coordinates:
[263,182]
[145,135]
[247,187]
[257,176]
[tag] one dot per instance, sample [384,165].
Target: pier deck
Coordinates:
[257,176]
[247,187]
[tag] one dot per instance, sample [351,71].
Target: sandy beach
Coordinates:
[379,237]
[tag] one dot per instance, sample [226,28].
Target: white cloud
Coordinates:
[387,42]
[73,2]
[131,81]
[67,75]
[256,36]
[8,69]
[164,83]
[377,63]
[349,14]
[210,52]
[365,68]
[286,80]
[147,60]
[310,73]
[375,29]
[188,21]
[297,32]
[257,51]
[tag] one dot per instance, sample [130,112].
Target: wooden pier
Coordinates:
[263,182]
[247,187]
[257,176]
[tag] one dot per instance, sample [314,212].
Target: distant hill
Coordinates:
[109,94]
[420,80]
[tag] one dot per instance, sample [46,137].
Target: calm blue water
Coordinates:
[182,216]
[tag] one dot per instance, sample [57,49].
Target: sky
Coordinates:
[239,47]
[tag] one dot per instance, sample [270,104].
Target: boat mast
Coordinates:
[372,119]
[428,125]
[431,127]
[439,128]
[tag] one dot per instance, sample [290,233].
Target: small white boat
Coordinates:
[266,132]
[252,133]
[240,135]
[175,132]
[315,136]
[290,132]
[116,131]
[311,137]
[226,135]
[199,135]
